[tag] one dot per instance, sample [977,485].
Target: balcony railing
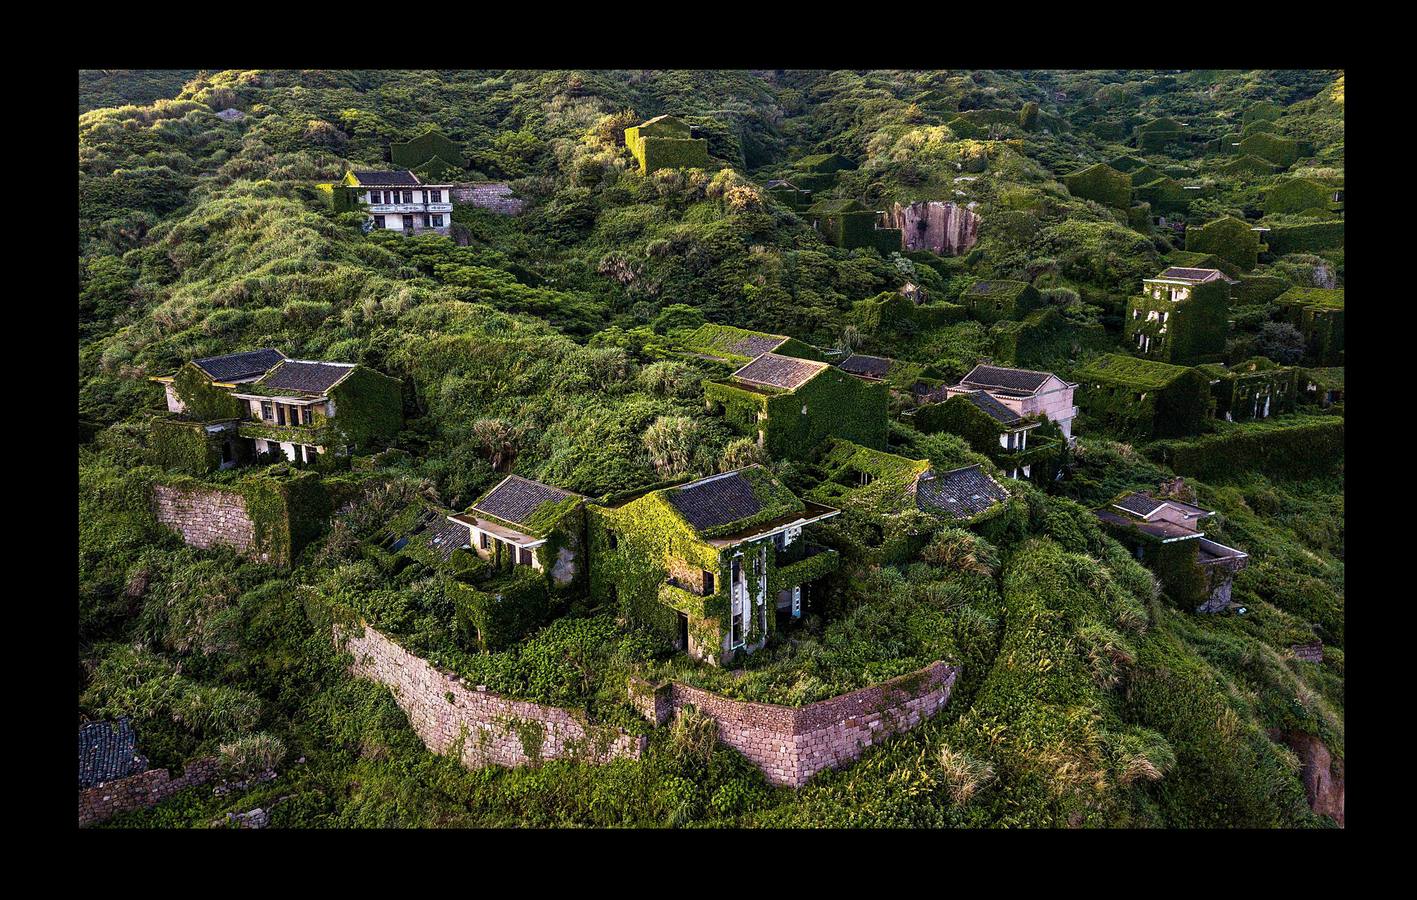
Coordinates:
[385,208]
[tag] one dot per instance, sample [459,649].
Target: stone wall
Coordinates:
[942,227]
[494,730]
[490,195]
[791,744]
[207,517]
[140,791]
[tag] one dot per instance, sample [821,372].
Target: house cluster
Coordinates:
[225,410]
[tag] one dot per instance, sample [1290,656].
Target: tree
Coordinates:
[670,442]
[500,440]
[1281,342]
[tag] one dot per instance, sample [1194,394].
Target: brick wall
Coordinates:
[495,730]
[492,195]
[791,744]
[207,517]
[140,791]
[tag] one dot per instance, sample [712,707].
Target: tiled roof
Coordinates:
[1157,528]
[516,499]
[860,364]
[756,344]
[1199,276]
[1139,503]
[996,410]
[398,177]
[236,366]
[444,536]
[306,377]
[718,500]
[960,493]
[999,377]
[108,751]
[779,371]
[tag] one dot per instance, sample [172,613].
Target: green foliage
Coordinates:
[1293,447]
[1229,238]
[1141,398]
[1101,183]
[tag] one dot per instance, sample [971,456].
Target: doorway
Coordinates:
[681,641]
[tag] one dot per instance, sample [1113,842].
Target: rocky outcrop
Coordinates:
[1321,773]
[940,226]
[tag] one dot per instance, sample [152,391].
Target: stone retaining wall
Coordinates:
[494,730]
[791,744]
[490,195]
[140,791]
[207,517]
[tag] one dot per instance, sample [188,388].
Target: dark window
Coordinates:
[708,583]
[226,451]
[437,196]
[305,416]
[378,221]
[736,635]
[437,221]
[280,414]
[408,196]
[612,539]
[483,540]
[524,556]
[427,221]
[266,411]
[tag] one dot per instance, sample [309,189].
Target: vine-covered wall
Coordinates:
[1195,328]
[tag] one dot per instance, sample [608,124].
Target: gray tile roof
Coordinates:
[715,501]
[757,345]
[108,751]
[998,288]
[1199,276]
[779,371]
[396,178]
[306,377]
[1024,380]
[995,410]
[236,366]
[959,493]
[1139,503]
[516,499]
[860,364]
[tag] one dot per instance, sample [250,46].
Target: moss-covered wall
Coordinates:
[1139,410]
[204,401]
[1229,238]
[368,410]
[1103,184]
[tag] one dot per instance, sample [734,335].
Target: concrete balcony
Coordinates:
[400,208]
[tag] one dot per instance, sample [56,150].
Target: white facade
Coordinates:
[409,208]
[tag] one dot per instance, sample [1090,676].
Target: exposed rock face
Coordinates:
[942,227]
[1321,774]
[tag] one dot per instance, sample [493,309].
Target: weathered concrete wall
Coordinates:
[140,791]
[491,195]
[942,227]
[207,517]
[789,744]
[494,730]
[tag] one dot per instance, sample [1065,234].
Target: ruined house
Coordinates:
[396,200]
[713,566]
[1181,316]
[521,522]
[1025,392]
[791,405]
[1163,533]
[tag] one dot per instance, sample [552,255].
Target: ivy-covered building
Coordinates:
[1102,184]
[665,142]
[1323,386]
[1181,316]
[315,412]
[521,522]
[849,224]
[991,428]
[431,155]
[1233,240]
[789,194]
[1163,533]
[713,566]
[201,432]
[1024,391]
[396,201]
[791,405]
[1141,398]
[1254,389]
[993,301]
[1318,314]
[867,368]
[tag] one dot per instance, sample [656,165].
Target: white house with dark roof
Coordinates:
[396,200]
[1027,393]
